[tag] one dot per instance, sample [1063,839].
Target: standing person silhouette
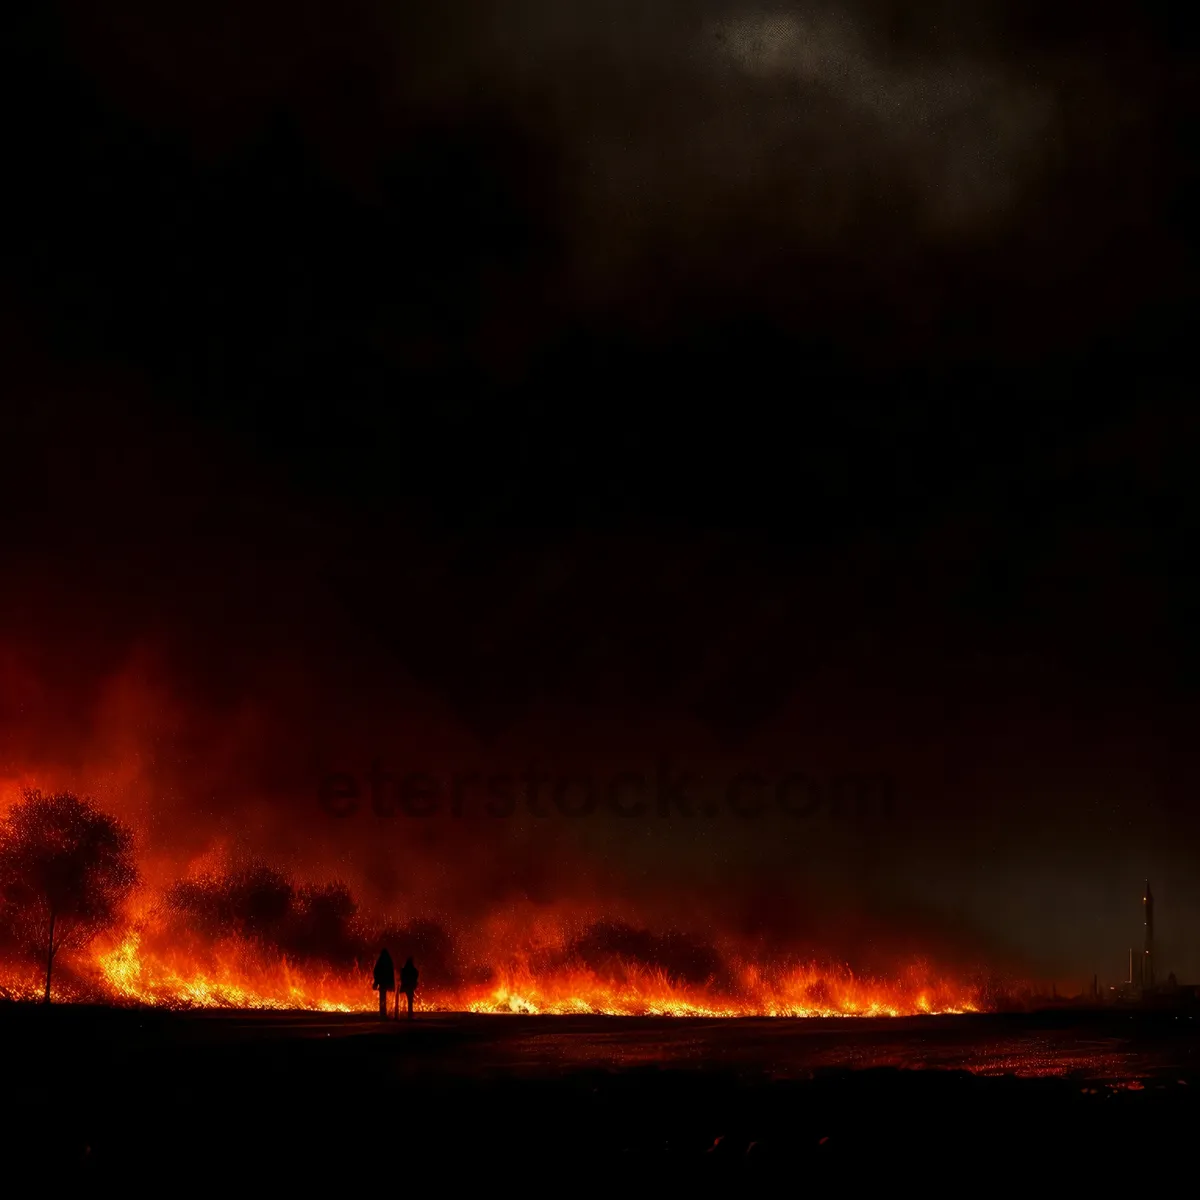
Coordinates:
[408,984]
[385,980]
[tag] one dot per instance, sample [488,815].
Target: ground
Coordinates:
[131,1097]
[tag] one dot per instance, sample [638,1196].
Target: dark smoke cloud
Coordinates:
[642,160]
[191,634]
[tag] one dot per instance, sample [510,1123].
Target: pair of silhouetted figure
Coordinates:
[385,981]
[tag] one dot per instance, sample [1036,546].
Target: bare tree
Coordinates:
[65,870]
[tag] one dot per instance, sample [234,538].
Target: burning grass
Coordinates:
[247,937]
[136,969]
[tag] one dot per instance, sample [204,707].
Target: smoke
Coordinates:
[969,134]
[185,641]
[219,780]
[673,144]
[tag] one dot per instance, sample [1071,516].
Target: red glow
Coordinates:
[509,955]
[149,962]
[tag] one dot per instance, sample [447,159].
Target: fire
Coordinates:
[797,991]
[131,976]
[222,935]
[131,970]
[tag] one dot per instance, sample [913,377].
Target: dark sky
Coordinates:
[801,387]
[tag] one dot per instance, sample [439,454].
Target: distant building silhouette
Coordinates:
[1148,951]
[1142,986]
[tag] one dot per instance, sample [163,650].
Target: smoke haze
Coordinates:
[475,386]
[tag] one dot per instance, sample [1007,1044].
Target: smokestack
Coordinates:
[1130,979]
[1148,955]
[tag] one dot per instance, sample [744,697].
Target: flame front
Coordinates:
[255,938]
[130,971]
[129,975]
[791,991]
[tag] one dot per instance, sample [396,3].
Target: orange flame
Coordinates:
[132,970]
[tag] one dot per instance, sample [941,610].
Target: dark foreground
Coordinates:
[151,1101]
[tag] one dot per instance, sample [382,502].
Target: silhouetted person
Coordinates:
[408,983]
[385,980]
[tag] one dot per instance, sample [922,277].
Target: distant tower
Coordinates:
[1148,954]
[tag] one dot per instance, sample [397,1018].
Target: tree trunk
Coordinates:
[49,958]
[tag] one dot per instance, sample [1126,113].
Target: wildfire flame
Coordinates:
[131,972]
[521,960]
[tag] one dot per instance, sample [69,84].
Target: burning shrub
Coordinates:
[605,945]
[252,902]
[257,904]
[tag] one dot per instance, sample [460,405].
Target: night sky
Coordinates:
[795,388]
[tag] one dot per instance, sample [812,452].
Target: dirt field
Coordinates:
[210,1099]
